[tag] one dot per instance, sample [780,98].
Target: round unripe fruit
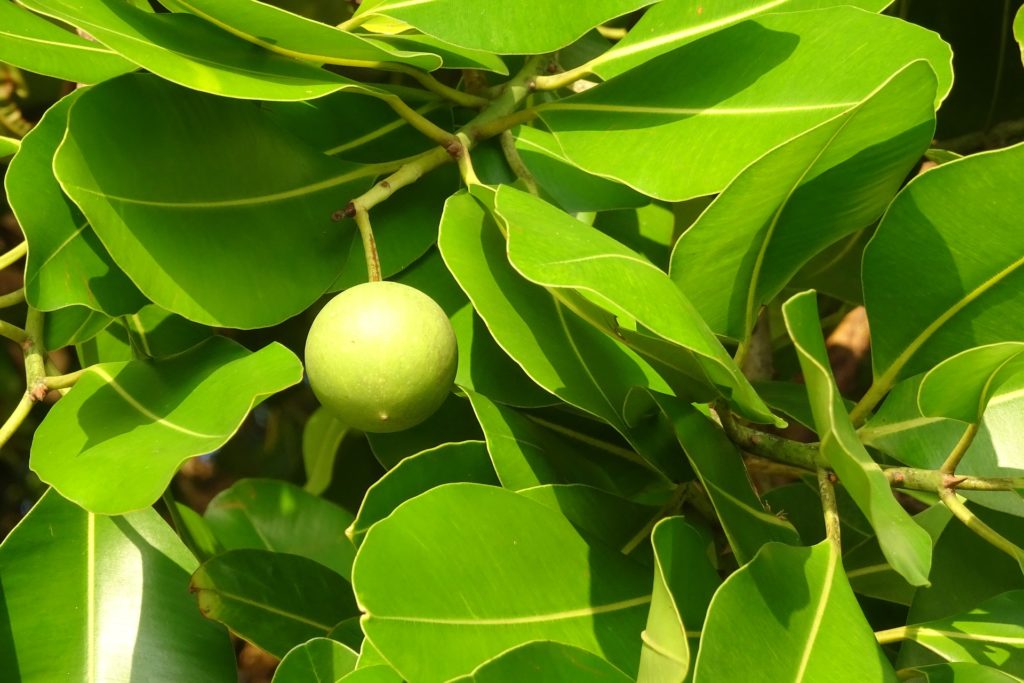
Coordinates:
[381,356]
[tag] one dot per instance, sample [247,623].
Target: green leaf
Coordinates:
[319,660]
[453,422]
[649,230]
[684,582]
[502,26]
[958,672]
[794,617]
[907,547]
[273,600]
[617,522]
[453,56]
[189,51]
[559,352]
[731,114]
[552,249]
[961,386]
[114,442]
[378,673]
[72,325]
[801,197]
[265,514]
[528,450]
[1018,29]
[943,272]
[89,598]
[111,344]
[899,429]
[719,466]
[510,571]
[156,333]
[207,242]
[35,44]
[571,188]
[990,634]
[295,36]
[545,661]
[321,437]
[8,146]
[446,464]
[67,264]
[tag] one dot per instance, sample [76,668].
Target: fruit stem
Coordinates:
[362,217]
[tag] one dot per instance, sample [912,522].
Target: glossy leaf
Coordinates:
[731,114]
[560,353]
[961,386]
[502,26]
[114,442]
[509,572]
[453,56]
[295,36]
[684,582]
[67,264]
[30,42]
[321,437]
[274,600]
[207,242]
[92,598]
[378,673]
[797,619]
[446,464]
[906,546]
[719,466]
[265,514]
[991,634]
[802,196]
[969,301]
[673,23]
[318,660]
[189,51]
[552,249]
[545,661]
[958,672]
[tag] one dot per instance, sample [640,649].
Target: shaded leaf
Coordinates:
[958,672]
[906,546]
[961,386]
[794,613]
[72,325]
[321,437]
[319,660]
[800,197]
[90,597]
[273,600]
[207,242]
[545,661]
[265,514]
[469,591]
[114,442]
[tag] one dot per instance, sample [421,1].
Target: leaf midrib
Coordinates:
[530,619]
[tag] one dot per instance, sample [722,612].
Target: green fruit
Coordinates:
[381,356]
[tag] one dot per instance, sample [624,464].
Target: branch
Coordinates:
[515,162]
[830,507]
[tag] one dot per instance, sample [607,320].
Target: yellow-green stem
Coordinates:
[369,245]
[13,298]
[829,506]
[958,452]
[950,499]
[12,255]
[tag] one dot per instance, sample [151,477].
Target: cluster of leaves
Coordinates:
[580,509]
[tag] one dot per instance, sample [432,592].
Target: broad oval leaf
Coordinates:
[550,248]
[189,51]
[960,261]
[265,514]
[67,264]
[502,26]
[30,42]
[800,79]
[114,442]
[961,387]
[274,600]
[674,23]
[446,464]
[797,618]
[545,660]
[93,598]
[510,571]
[906,546]
[209,241]
[800,197]
[319,660]
[292,35]
[684,583]
[990,634]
